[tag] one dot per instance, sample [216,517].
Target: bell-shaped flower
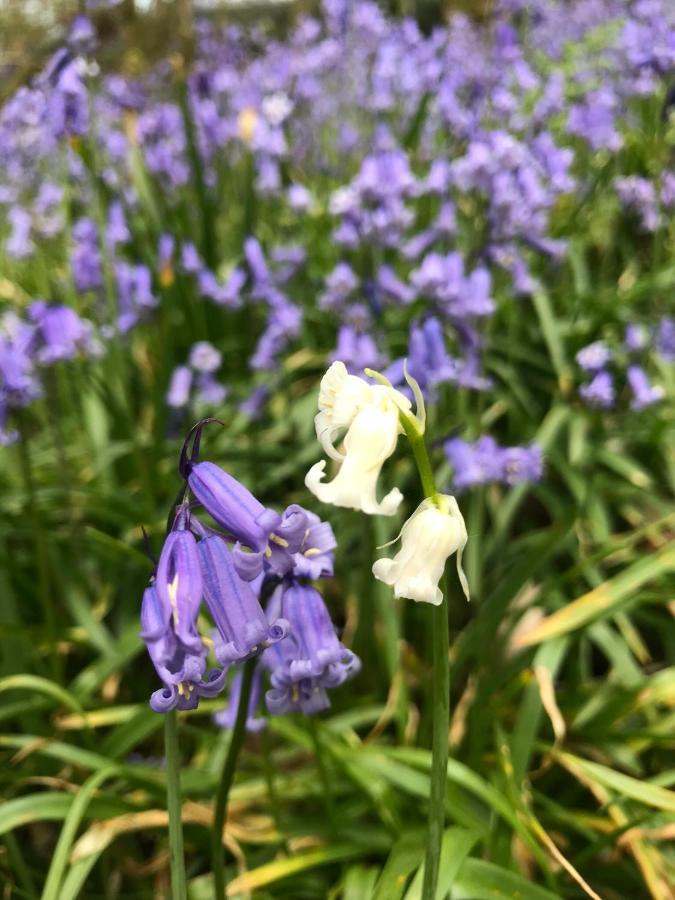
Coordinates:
[273,538]
[179,582]
[242,627]
[370,440]
[434,531]
[311,659]
[315,557]
[180,666]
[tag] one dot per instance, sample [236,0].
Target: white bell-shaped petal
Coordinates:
[434,532]
[341,396]
[370,440]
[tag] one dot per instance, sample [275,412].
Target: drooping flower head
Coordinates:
[312,659]
[371,415]
[434,532]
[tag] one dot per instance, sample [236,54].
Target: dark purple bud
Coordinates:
[242,628]
[232,505]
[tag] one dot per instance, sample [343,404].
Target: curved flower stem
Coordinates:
[440,689]
[226,779]
[174,807]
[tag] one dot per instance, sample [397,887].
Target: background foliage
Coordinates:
[563,690]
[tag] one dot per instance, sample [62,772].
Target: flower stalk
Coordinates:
[174,807]
[226,779]
[440,687]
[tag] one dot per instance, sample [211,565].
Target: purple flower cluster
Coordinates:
[196,382]
[50,333]
[603,366]
[294,637]
[485,462]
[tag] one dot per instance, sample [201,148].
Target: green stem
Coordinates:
[439,747]
[41,552]
[173,802]
[226,779]
[440,691]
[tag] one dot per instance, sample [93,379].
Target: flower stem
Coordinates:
[173,802]
[440,696]
[226,779]
[439,747]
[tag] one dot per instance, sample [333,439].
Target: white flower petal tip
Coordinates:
[434,532]
[387,505]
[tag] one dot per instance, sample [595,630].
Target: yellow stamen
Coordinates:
[282,542]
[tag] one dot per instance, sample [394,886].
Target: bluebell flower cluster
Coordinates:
[623,366]
[485,462]
[49,333]
[256,551]
[435,166]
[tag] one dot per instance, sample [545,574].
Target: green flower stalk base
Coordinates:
[226,779]
[174,807]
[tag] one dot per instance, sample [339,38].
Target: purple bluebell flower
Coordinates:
[19,244]
[299,198]
[179,580]
[209,391]
[272,538]
[227,717]
[314,559]
[522,464]
[340,284]
[594,357]
[67,107]
[60,333]
[178,395]
[599,392]
[204,357]
[644,392]
[190,260]
[485,462]
[392,288]
[47,209]
[636,338]
[474,463]
[82,35]
[255,403]
[117,231]
[135,294]
[180,666]
[594,120]
[161,136]
[242,628]
[357,350]
[665,339]
[639,194]
[311,659]
[85,256]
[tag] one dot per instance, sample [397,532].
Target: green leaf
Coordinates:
[72,821]
[457,844]
[601,601]
[480,880]
[624,785]
[404,857]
